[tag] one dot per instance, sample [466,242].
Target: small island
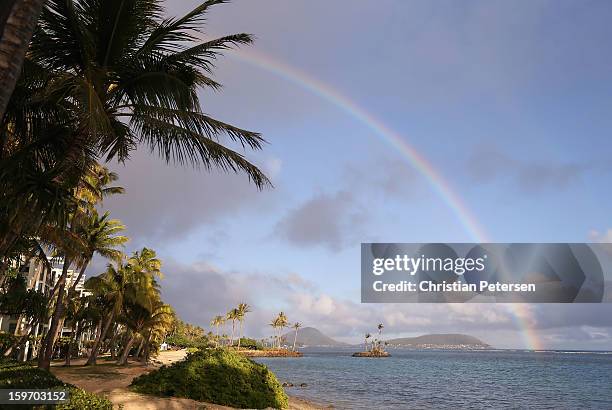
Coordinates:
[376,348]
[372,353]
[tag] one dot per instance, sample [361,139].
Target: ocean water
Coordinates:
[427,379]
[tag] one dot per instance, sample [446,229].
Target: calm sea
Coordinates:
[429,379]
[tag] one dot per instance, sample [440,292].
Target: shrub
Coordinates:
[217,376]
[185,342]
[20,375]
[248,343]
[80,399]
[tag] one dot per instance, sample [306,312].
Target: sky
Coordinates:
[508,101]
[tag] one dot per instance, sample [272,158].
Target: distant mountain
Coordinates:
[309,336]
[451,339]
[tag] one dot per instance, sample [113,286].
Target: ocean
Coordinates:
[446,379]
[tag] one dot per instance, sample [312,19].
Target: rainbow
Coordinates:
[521,314]
[439,185]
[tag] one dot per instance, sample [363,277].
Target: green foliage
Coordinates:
[6,341]
[217,376]
[249,343]
[20,375]
[63,342]
[186,342]
[16,298]
[80,399]
[185,335]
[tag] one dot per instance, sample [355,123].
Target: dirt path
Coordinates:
[112,381]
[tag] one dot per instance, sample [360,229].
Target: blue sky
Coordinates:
[510,101]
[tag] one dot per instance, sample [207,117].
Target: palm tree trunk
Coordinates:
[295,339]
[18,341]
[113,351]
[94,350]
[239,334]
[139,350]
[69,348]
[126,350]
[233,329]
[18,20]
[147,349]
[44,358]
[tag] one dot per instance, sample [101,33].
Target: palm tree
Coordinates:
[142,315]
[84,234]
[216,322]
[275,326]
[125,77]
[367,336]
[280,322]
[112,288]
[133,78]
[17,23]
[380,328]
[296,326]
[242,309]
[99,235]
[232,315]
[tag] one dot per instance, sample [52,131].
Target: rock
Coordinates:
[287,384]
[303,385]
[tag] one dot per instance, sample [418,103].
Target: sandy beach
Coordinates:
[112,381]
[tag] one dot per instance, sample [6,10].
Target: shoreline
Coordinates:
[112,381]
[269,353]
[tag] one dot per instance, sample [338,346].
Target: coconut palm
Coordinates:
[133,78]
[142,315]
[242,309]
[379,341]
[84,234]
[216,322]
[275,325]
[367,336]
[112,288]
[146,262]
[100,236]
[125,77]
[232,315]
[296,326]
[280,323]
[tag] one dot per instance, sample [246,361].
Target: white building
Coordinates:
[39,278]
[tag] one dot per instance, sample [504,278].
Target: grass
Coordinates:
[216,376]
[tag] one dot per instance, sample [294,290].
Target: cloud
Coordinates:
[488,164]
[390,177]
[200,291]
[328,220]
[165,201]
[602,237]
